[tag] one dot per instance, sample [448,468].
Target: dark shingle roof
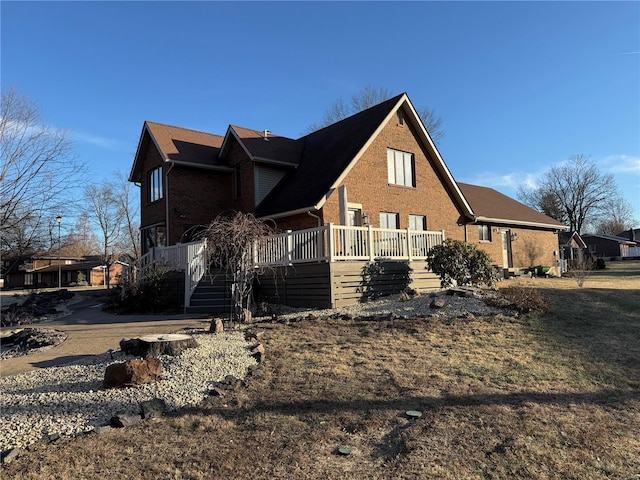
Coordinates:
[326,154]
[273,149]
[492,206]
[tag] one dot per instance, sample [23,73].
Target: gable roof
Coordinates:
[178,145]
[491,206]
[330,153]
[263,146]
[564,238]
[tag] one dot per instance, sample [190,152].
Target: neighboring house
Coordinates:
[612,246]
[572,247]
[632,234]
[377,168]
[41,271]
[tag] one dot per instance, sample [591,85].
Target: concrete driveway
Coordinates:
[90,331]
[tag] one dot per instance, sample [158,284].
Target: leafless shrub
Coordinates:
[230,239]
[521,299]
[581,270]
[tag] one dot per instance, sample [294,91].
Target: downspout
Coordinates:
[166,204]
[315,216]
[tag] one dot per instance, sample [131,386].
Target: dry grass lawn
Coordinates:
[544,396]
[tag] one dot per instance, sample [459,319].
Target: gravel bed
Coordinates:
[401,307]
[68,400]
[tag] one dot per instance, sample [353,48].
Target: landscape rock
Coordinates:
[132,372]
[258,352]
[438,302]
[217,326]
[155,407]
[125,420]
[9,455]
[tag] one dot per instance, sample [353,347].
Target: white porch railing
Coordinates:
[342,243]
[190,257]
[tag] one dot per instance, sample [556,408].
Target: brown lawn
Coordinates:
[553,395]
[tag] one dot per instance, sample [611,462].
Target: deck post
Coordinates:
[330,244]
[409,249]
[289,247]
[369,245]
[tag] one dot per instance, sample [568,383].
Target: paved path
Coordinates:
[91,331]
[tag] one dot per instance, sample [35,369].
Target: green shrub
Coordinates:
[461,263]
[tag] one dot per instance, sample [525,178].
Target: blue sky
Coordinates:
[521,86]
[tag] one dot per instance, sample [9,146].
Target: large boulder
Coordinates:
[132,372]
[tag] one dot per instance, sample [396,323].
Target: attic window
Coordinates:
[400,168]
[400,117]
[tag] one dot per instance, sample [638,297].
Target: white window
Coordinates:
[28,278]
[155,184]
[400,168]
[389,220]
[417,222]
[484,233]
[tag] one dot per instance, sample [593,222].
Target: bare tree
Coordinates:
[618,217]
[38,174]
[105,212]
[369,96]
[127,202]
[230,239]
[576,193]
[82,240]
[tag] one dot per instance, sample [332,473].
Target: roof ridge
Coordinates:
[182,128]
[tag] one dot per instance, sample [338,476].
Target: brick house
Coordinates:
[377,168]
[40,270]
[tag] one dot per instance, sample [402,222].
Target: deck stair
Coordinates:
[212,295]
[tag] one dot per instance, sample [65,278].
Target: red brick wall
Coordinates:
[196,197]
[529,247]
[298,222]
[151,213]
[367,184]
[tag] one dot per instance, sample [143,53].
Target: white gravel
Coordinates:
[70,399]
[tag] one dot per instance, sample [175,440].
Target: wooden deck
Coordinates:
[327,267]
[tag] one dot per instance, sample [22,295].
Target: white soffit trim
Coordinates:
[223,147]
[441,163]
[145,128]
[505,221]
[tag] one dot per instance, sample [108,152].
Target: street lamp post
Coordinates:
[59,220]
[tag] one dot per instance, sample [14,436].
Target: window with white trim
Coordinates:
[400,168]
[155,184]
[484,233]
[417,222]
[28,278]
[389,220]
